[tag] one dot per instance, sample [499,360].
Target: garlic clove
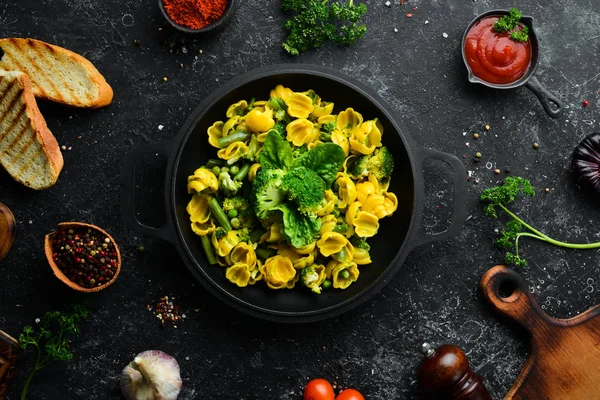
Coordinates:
[7,230]
[152,375]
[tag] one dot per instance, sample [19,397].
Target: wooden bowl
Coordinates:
[60,275]
[7,230]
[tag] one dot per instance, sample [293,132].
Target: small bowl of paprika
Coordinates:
[83,256]
[197,16]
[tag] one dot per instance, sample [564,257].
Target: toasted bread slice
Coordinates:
[28,150]
[57,74]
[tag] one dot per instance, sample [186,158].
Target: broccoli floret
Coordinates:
[243,235]
[304,187]
[310,278]
[328,127]
[266,191]
[237,203]
[381,163]
[298,151]
[359,167]
[360,243]
[228,185]
[220,232]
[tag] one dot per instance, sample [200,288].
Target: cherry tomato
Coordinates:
[318,389]
[350,394]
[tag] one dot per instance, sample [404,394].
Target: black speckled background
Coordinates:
[412,65]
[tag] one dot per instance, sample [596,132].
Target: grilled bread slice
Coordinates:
[28,150]
[57,74]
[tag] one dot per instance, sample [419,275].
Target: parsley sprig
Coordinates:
[50,341]
[511,21]
[498,198]
[316,22]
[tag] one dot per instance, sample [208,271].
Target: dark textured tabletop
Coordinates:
[415,65]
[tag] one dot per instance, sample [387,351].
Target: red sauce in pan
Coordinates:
[493,56]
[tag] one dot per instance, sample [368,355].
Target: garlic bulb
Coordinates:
[152,375]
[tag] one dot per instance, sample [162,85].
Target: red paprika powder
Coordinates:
[195,14]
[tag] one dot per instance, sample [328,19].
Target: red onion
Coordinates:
[586,163]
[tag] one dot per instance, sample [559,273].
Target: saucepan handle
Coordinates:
[128,198]
[460,191]
[553,106]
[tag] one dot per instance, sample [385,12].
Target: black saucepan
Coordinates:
[553,106]
[397,236]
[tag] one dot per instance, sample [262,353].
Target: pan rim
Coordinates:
[195,266]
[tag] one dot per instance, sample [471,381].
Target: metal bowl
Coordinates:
[213,27]
[397,235]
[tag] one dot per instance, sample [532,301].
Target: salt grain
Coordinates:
[160,127]
[445,35]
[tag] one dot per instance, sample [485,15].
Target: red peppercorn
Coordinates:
[585,103]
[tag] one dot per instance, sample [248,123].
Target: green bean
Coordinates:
[208,250]
[242,173]
[238,136]
[263,253]
[219,214]
[214,162]
[326,284]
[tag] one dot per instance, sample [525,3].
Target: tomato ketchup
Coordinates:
[494,57]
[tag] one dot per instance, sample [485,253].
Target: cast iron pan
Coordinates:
[552,105]
[397,236]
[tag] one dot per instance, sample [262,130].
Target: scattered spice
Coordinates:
[409,15]
[195,14]
[165,78]
[137,42]
[547,190]
[487,127]
[167,311]
[87,257]
[585,103]
[536,145]
[497,171]
[476,136]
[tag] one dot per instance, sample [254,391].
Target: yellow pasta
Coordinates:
[355,198]
[203,180]
[279,273]
[299,105]
[236,108]
[348,120]
[260,121]
[301,131]
[215,132]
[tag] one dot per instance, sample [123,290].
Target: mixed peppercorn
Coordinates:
[87,257]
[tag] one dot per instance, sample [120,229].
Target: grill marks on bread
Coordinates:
[57,74]
[28,150]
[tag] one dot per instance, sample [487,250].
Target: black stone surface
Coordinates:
[412,65]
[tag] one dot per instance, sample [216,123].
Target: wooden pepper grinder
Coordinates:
[445,374]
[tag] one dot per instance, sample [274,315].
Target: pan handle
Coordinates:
[128,200]
[460,193]
[553,106]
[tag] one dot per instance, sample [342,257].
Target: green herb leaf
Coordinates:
[520,36]
[498,198]
[51,343]
[299,229]
[276,153]
[316,22]
[325,159]
[511,21]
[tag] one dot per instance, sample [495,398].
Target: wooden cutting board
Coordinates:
[564,355]
[11,356]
